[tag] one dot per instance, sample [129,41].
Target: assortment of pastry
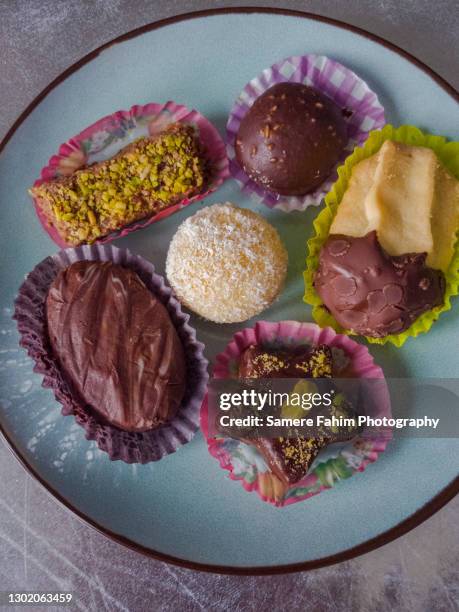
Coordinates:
[383,264]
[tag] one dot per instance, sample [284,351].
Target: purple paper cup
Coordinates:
[363,113]
[131,447]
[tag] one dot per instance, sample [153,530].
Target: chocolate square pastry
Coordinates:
[289,458]
[300,362]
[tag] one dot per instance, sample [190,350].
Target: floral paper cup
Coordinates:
[131,447]
[245,464]
[363,112]
[106,137]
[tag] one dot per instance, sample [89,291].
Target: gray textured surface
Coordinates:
[42,546]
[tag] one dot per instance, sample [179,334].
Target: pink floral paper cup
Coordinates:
[338,461]
[363,113]
[31,321]
[104,138]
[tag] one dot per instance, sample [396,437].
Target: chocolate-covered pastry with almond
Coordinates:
[391,242]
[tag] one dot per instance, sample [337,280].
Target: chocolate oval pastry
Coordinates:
[290,139]
[116,345]
[372,293]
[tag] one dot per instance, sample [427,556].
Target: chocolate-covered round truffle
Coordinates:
[371,292]
[290,139]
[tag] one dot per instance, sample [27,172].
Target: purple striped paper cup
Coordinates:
[130,447]
[364,114]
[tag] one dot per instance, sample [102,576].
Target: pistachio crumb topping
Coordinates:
[144,178]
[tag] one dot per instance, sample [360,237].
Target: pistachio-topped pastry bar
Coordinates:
[144,178]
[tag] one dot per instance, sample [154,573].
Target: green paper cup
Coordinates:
[448,154]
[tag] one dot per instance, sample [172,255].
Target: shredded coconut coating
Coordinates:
[227,264]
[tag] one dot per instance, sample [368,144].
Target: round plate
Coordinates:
[184,509]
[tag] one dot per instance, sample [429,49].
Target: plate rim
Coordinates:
[407,524]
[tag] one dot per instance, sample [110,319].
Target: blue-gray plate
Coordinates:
[184,508]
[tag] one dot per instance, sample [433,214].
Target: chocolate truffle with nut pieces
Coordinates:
[291,139]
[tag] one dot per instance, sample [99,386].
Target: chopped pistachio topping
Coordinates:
[147,177]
